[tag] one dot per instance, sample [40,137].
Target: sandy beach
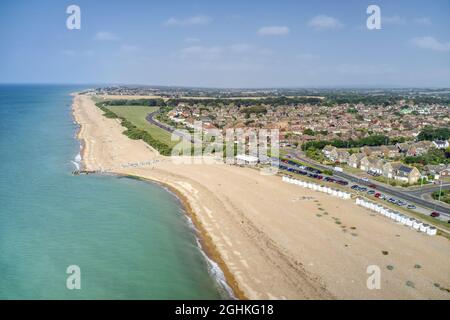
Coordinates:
[274,240]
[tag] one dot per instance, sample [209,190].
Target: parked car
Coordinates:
[377,195]
[435,214]
[370,192]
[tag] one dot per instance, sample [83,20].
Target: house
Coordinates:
[419,148]
[372,151]
[401,172]
[371,164]
[354,160]
[438,171]
[390,151]
[340,156]
[327,150]
[441,144]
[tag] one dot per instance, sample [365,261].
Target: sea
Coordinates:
[65,236]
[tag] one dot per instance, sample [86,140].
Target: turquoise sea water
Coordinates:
[130,239]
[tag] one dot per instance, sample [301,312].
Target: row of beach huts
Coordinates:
[317,187]
[398,217]
[394,215]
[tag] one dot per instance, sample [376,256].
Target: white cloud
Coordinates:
[68,52]
[240,47]
[306,56]
[190,21]
[273,31]
[106,36]
[430,43]
[424,21]
[126,48]
[322,22]
[201,52]
[396,20]
[191,40]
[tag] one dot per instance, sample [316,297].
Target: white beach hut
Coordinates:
[315,187]
[417,224]
[432,231]
[329,190]
[334,193]
[424,227]
[404,220]
[410,222]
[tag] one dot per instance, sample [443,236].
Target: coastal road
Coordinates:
[428,189]
[444,210]
[151,120]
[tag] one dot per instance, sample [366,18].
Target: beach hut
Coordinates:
[416,225]
[329,190]
[358,201]
[404,219]
[334,193]
[347,195]
[284,179]
[315,187]
[410,222]
[432,231]
[399,217]
[424,228]
[310,185]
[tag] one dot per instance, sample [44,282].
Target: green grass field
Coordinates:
[136,115]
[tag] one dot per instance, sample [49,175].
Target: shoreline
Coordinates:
[206,243]
[272,240]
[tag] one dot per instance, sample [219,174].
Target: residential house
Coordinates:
[372,151]
[338,155]
[390,151]
[438,171]
[371,164]
[327,150]
[354,160]
[419,148]
[401,172]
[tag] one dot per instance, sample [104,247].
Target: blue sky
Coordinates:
[227,44]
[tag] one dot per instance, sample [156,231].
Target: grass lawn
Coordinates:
[137,115]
